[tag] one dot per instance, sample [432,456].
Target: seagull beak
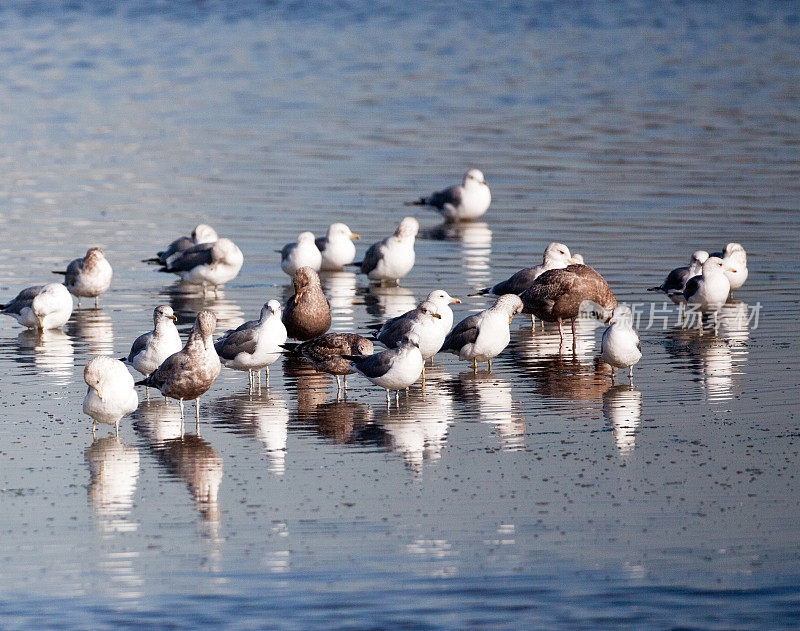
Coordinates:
[511,317]
[455,301]
[99,393]
[353,235]
[484,182]
[732,271]
[611,321]
[437,316]
[212,267]
[173,317]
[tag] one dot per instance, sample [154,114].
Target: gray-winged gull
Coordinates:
[393,257]
[676,280]
[88,277]
[620,346]
[392,369]
[207,264]
[337,247]
[111,394]
[40,307]
[149,350]
[465,202]
[302,253]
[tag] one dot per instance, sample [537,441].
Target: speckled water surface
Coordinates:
[536,495]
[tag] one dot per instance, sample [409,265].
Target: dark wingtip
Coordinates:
[153,259]
[143,382]
[59,273]
[419,202]
[655,289]
[354,264]
[481,292]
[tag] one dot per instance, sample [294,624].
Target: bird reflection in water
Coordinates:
[188,457]
[340,290]
[717,359]
[388,301]
[114,472]
[93,331]
[264,417]
[187,301]
[51,352]
[495,404]
[622,408]
[476,248]
[546,342]
[417,428]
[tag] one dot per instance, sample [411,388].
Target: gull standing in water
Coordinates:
[307,314]
[560,294]
[484,335]
[707,292]
[88,277]
[393,257]
[735,258]
[466,202]
[40,307]
[302,253]
[676,280]
[111,394]
[393,369]
[207,264]
[255,344]
[190,372]
[620,346]
[149,350]
[202,233]
[337,247]
[422,322]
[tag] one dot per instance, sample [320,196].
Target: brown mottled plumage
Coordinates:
[558,294]
[190,372]
[307,314]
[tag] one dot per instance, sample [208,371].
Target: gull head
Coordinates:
[441,296]
[558,254]
[408,228]
[272,307]
[305,238]
[510,303]
[340,230]
[226,251]
[164,312]
[428,308]
[474,177]
[203,233]
[304,278]
[205,323]
[96,371]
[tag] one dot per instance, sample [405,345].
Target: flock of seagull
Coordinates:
[561,288]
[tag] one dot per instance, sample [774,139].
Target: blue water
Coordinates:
[535,496]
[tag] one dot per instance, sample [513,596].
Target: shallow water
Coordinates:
[537,495]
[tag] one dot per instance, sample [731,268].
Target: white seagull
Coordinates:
[393,369]
[207,264]
[337,247]
[708,292]
[735,258]
[393,257]
[40,307]
[556,256]
[302,253]
[149,350]
[111,394]
[466,202]
[620,346]
[255,344]
[202,233]
[88,277]
[484,335]
[676,280]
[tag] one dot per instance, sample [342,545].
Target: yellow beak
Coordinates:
[455,300]
[173,317]
[437,316]
[99,393]
[353,235]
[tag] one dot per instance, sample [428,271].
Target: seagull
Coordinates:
[191,371]
[326,353]
[307,314]
[423,322]
[484,335]
[556,256]
[337,247]
[620,346]
[676,280]
[88,277]
[110,395]
[303,253]
[466,202]
[393,369]
[40,307]
[255,344]
[560,294]
[393,257]
[207,264]
[735,257]
[708,291]
[149,350]
[202,233]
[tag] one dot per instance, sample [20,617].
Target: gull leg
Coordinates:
[345,384]
[180,401]
[396,398]
[475,366]
[166,400]
[338,387]
[560,336]
[388,405]
[574,340]
[79,302]
[533,322]
[197,415]
[490,364]
[423,375]
[94,426]
[147,392]
[96,302]
[612,375]
[630,374]
[116,429]
[267,377]
[215,291]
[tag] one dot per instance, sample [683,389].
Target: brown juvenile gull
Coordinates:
[191,371]
[325,353]
[560,294]
[307,314]
[88,277]
[202,233]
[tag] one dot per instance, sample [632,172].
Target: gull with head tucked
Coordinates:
[40,307]
[466,202]
[110,395]
[302,253]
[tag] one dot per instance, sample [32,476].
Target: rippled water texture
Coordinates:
[537,495]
